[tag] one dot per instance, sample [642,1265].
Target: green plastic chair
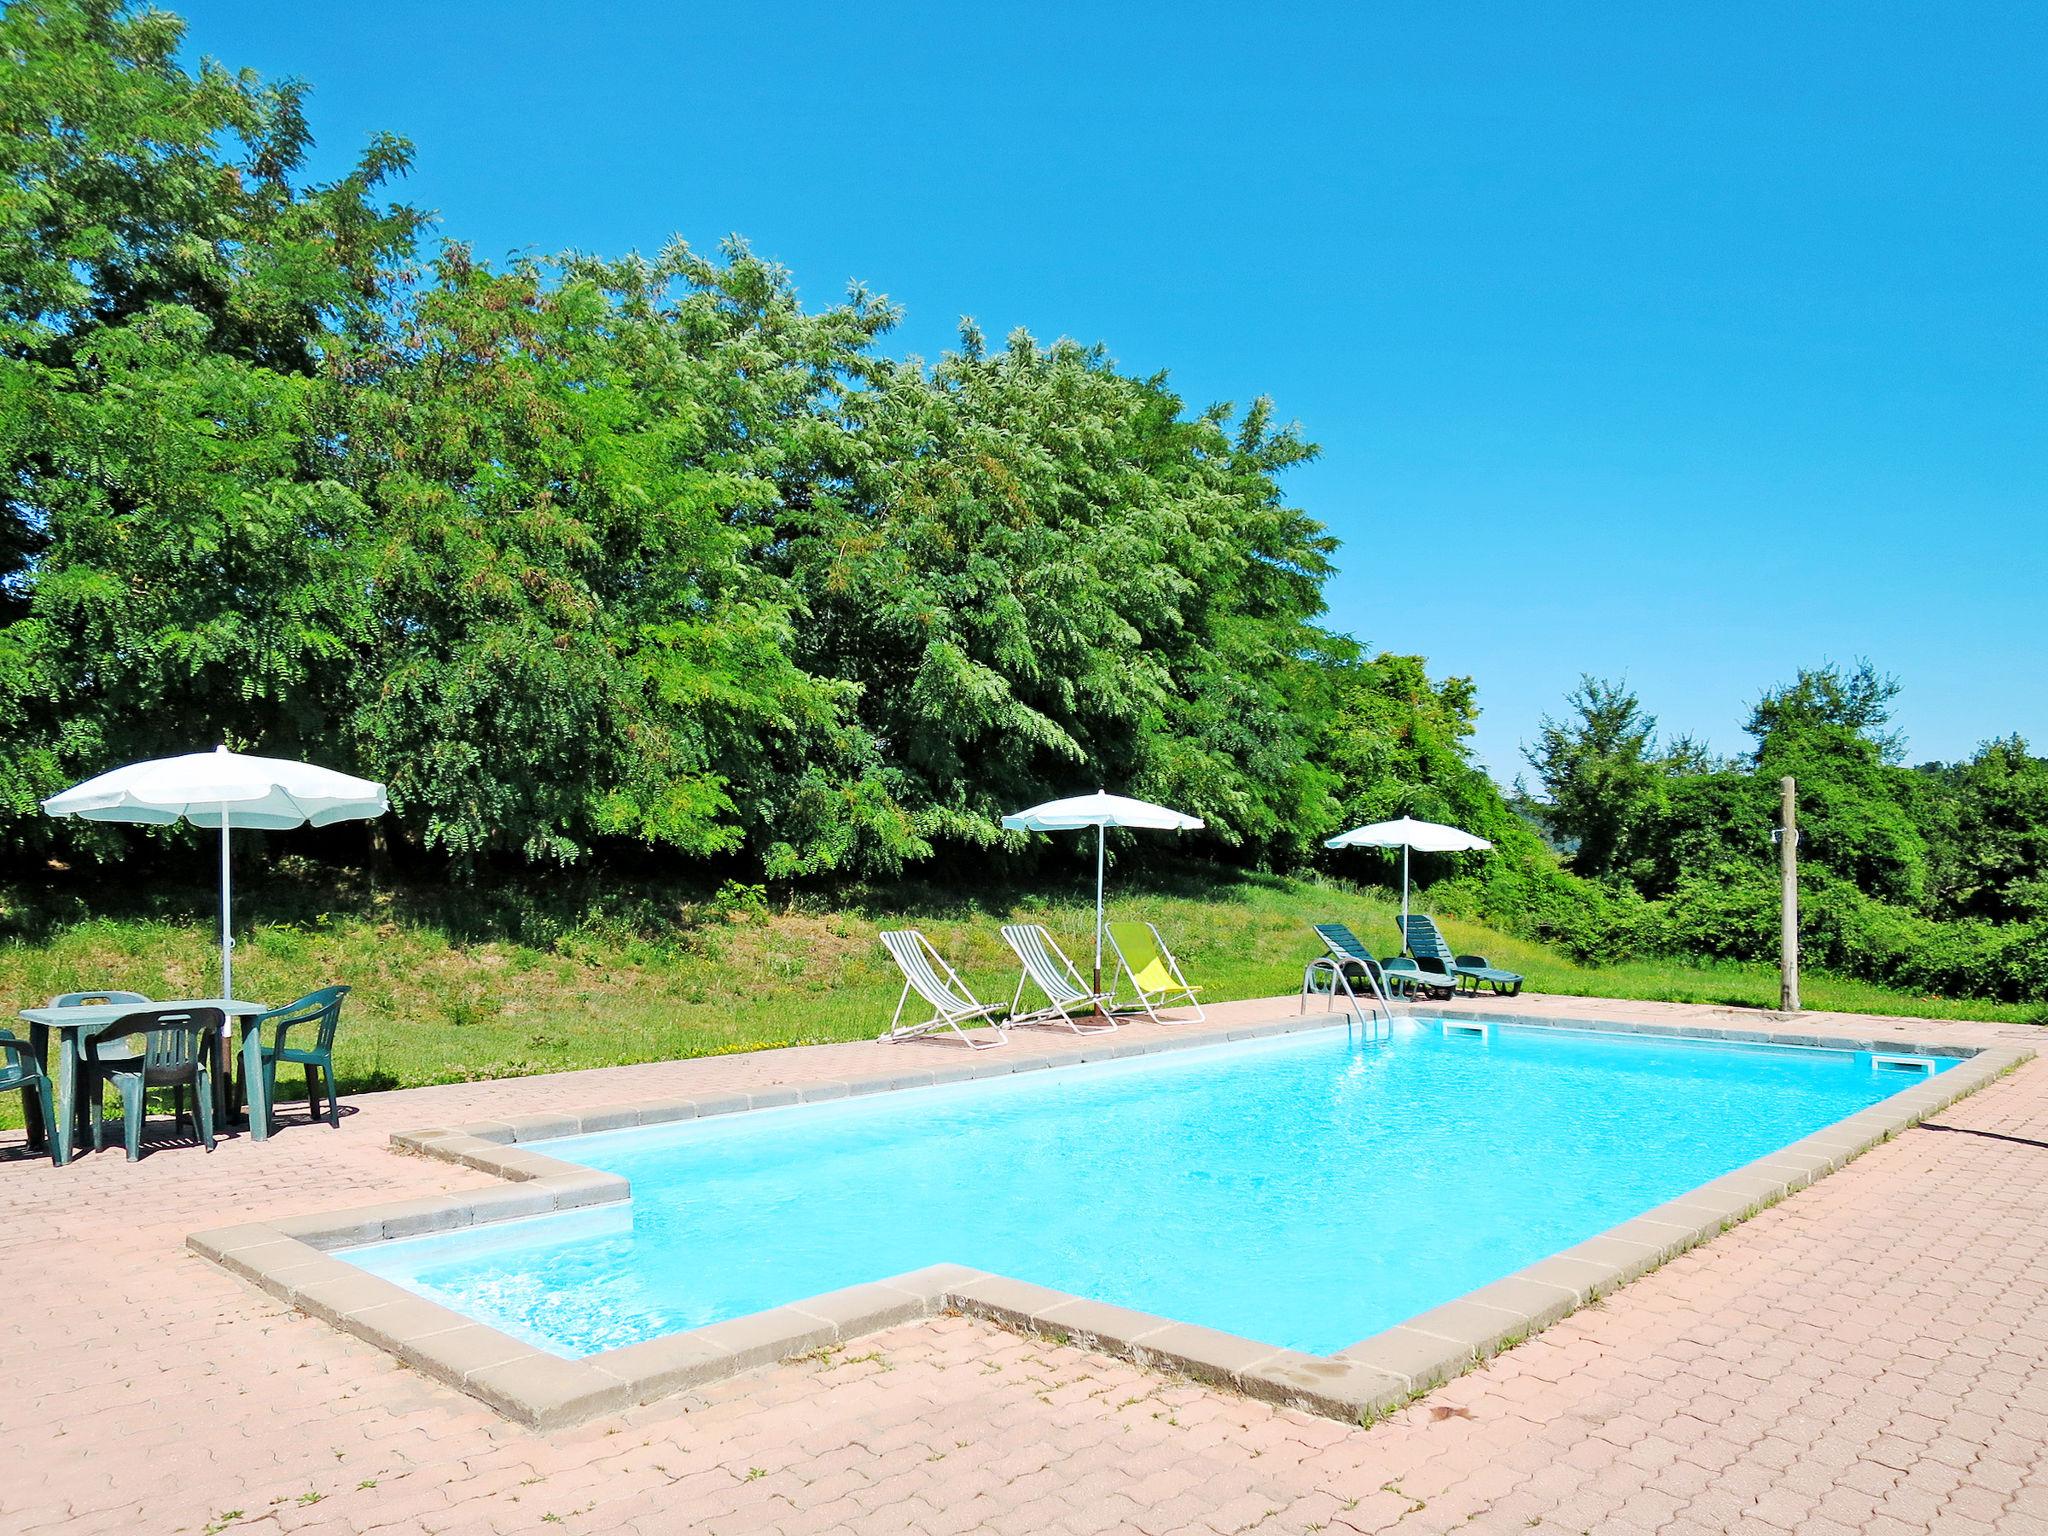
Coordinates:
[96,999]
[322,1010]
[1426,942]
[176,1054]
[20,1070]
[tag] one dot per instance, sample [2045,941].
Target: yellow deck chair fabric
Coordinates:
[1145,961]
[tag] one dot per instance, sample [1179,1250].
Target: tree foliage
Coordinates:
[644,560]
[639,556]
[1929,877]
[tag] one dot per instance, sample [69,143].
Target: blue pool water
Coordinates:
[1306,1191]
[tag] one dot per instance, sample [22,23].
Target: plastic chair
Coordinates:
[21,1070]
[322,1010]
[1427,943]
[176,1049]
[95,999]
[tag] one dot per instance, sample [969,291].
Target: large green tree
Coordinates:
[177,559]
[1044,575]
[574,472]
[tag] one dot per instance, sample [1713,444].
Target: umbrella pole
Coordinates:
[227,941]
[1101,836]
[1404,896]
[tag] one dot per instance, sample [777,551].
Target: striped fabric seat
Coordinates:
[926,973]
[1047,968]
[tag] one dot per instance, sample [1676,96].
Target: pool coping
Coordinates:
[292,1258]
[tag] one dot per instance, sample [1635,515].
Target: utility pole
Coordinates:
[1788,878]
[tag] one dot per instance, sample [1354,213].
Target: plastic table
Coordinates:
[72,1025]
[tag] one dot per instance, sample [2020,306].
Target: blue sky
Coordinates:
[1688,343]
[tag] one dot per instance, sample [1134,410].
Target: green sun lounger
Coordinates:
[1469,972]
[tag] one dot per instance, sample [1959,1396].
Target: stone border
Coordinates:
[290,1259]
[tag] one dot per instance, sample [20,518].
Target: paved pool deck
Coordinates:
[1871,1355]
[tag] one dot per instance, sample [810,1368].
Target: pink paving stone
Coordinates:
[1891,1312]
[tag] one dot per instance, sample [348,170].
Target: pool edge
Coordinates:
[291,1258]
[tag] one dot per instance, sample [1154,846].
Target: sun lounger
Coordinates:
[1144,959]
[1047,968]
[1409,978]
[926,973]
[1352,966]
[1471,972]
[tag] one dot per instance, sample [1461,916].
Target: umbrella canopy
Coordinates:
[1407,833]
[222,789]
[1100,811]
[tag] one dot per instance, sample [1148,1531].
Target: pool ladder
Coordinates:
[1324,977]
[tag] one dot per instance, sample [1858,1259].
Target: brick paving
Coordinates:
[1871,1355]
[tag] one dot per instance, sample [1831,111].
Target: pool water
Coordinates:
[1306,1191]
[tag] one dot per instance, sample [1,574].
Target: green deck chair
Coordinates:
[1353,966]
[1144,959]
[1409,978]
[322,1010]
[1470,972]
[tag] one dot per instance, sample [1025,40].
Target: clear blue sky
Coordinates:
[1691,346]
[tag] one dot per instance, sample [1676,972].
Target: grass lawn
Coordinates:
[431,1008]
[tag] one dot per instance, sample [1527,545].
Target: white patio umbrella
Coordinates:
[222,789]
[1100,811]
[1407,833]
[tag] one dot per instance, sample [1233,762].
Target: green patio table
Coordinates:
[73,1024]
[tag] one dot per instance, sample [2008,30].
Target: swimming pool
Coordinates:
[1305,1191]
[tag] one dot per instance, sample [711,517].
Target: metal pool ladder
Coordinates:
[1324,977]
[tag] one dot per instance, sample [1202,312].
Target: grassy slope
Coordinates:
[429,1009]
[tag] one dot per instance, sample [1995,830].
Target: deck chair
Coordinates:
[928,975]
[1469,972]
[1142,956]
[1351,965]
[1047,968]
[1410,978]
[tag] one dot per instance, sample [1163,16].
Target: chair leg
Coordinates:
[95,1108]
[178,1110]
[202,1096]
[312,1093]
[333,1097]
[49,1108]
[134,1106]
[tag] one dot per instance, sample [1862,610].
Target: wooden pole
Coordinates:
[1788,877]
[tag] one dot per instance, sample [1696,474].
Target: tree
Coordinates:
[1856,806]
[1042,575]
[177,563]
[1602,770]
[1855,702]
[573,470]
[2000,848]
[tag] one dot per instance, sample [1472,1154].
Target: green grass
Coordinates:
[429,1007]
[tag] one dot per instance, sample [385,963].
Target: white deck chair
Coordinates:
[928,975]
[1047,968]
[1143,958]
